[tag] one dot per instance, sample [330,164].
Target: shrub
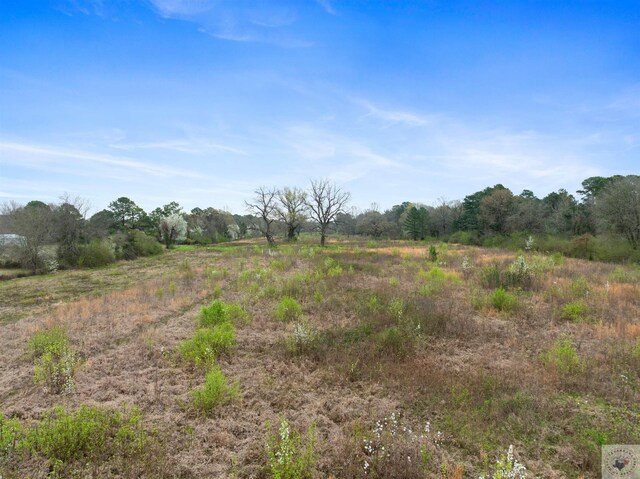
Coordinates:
[207,343]
[575,311]
[143,244]
[214,314]
[216,391]
[490,276]
[331,267]
[302,339]
[90,432]
[55,361]
[96,253]
[433,253]
[288,309]
[11,433]
[236,313]
[289,454]
[393,342]
[392,449]
[396,309]
[52,338]
[519,274]
[564,356]
[135,243]
[502,300]
[507,467]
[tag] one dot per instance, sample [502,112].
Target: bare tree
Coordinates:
[264,207]
[291,210]
[325,201]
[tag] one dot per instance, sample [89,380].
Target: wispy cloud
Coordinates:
[37,156]
[236,20]
[85,7]
[327,6]
[392,117]
[182,146]
[328,153]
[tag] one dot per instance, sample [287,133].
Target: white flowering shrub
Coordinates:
[55,369]
[467,267]
[519,274]
[289,454]
[395,449]
[507,467]
[529,243]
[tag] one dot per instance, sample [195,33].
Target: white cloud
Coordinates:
[396,116]
[37,156]
[182,146]
[236,20]
[327,6]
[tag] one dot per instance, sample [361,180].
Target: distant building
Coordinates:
[10,239]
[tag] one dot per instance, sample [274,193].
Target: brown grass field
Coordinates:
[550,364]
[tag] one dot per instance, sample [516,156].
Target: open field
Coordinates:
[405,364]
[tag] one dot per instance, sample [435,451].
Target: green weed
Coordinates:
[289,454]
[207,343]
[288,310]
[216,391]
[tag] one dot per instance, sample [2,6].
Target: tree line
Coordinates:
[60,235]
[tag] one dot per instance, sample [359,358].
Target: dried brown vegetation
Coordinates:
[383,330]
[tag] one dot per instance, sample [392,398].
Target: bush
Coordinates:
[288,310]
[575,311]
[96,253]
[216,391]
[464,237]
[564,356]
[289,454]
[503,301]
[207,343]
[490,276]
[143,244]
[55,361]
[218,312]
[42,341]
[213,315]
[89,432]
[393,342]
[11,433]
[519,274]
[135,243]
[392,449]
[507,467]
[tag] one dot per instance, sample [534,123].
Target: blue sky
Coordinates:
[202,101]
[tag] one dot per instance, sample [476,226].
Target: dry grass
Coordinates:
[388,334]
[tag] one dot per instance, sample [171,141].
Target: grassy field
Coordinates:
[362,359]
